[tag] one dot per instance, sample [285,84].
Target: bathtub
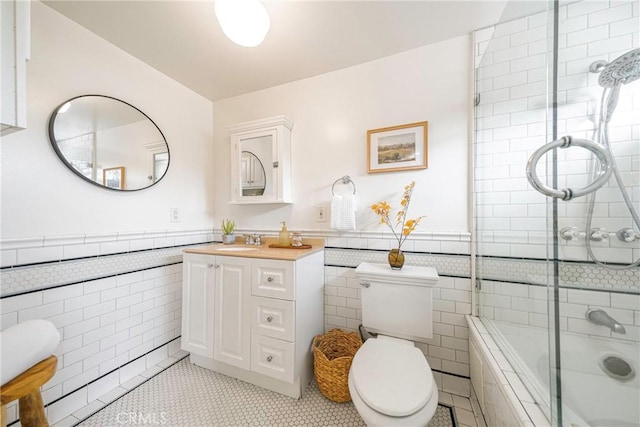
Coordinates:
[590,396]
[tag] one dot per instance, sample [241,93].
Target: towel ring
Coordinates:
[345,180]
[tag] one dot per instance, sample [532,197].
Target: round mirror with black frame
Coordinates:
[109,143]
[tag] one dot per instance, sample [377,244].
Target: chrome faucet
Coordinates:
[600,317]
[253,239]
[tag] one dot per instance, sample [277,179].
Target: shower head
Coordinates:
[623,69]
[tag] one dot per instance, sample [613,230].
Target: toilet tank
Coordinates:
[397,303]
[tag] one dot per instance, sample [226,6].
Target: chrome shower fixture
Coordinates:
[627,235]
[622,70]
[597,66]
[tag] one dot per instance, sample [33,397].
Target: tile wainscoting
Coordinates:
[116,300]
[120,313]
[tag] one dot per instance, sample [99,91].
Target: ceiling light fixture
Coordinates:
[64,108]
[245,22]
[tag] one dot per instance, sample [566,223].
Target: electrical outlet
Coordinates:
[174,215]
[321,214]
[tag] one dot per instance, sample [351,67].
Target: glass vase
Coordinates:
[396,259]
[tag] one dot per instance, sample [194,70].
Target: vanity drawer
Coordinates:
[272,357]
[273,279]
[273,317]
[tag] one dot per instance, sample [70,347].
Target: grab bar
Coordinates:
[603,172]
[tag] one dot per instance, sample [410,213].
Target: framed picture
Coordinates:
[113,177]
[397,148]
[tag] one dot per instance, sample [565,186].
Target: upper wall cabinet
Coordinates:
[261,161]
[14,16]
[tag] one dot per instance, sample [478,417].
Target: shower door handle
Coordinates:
[603,172]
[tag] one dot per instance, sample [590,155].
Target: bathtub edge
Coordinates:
[525,415]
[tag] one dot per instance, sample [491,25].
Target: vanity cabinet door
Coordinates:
[198,283]
[232,298]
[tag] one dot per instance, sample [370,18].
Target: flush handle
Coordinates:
[365,284]
[269,358]
[270,319]
[269,279]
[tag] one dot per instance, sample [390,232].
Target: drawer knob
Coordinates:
[269,358]
[270,319]
[269,279]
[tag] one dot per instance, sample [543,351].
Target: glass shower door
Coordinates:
[597,234]
[515,259]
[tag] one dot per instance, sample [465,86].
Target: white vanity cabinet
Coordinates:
[14,18]
[262,315]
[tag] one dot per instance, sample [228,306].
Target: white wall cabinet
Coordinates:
[14,18]
[262,315]
[269,140]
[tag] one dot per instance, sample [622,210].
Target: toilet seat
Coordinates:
[392,376]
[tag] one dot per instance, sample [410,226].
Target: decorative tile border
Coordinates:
[31,278]
[448,265]
[572,274]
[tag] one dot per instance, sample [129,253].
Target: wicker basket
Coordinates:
[332,356]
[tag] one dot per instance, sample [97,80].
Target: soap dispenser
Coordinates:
[284,238]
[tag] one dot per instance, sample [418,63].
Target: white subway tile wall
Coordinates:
[119,314]
[512,77]
[528,305]
[111,330]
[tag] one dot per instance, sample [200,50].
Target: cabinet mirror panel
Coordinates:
[253,176]
[256,166]
[109,143]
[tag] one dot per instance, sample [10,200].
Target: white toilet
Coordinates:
[390,380]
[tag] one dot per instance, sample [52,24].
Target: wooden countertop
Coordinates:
[263,251]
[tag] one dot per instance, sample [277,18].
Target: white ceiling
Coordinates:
[182,39]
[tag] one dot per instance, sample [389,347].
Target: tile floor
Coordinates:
[182,394]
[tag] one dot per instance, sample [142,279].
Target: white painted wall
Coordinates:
[40,196]
[332,113]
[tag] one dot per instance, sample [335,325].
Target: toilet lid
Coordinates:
[394,379]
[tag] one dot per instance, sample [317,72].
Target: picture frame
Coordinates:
[113,177]
[398,148]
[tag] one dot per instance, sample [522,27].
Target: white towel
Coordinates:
[343,212]
[26,344]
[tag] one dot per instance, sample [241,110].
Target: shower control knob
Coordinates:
[627,235]
[570,233]
[598,234]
